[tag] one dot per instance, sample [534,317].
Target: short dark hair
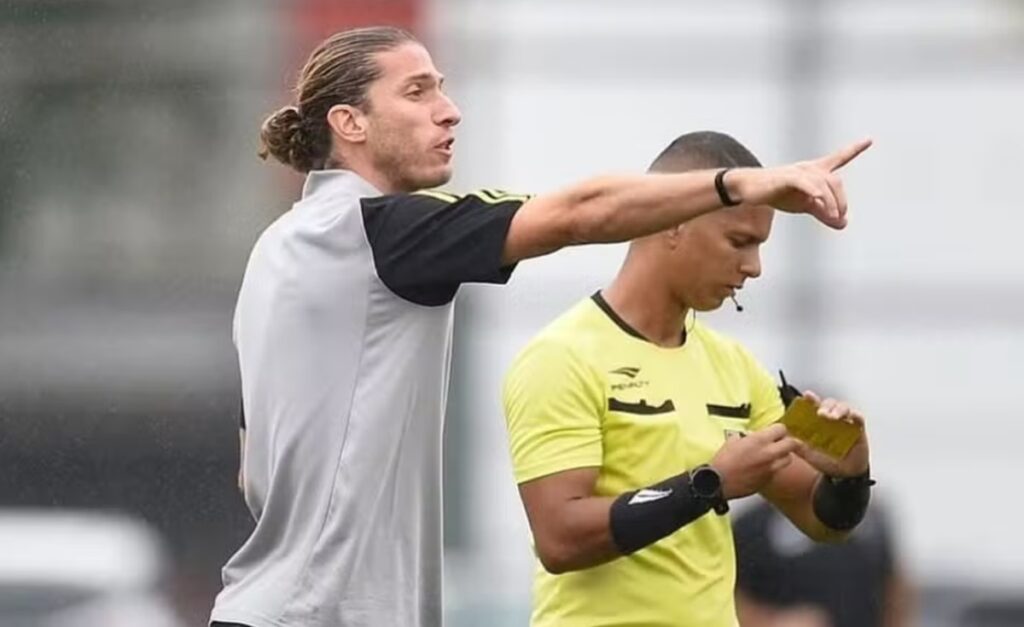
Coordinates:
[703,150]
[339,71]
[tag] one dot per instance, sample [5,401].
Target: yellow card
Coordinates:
[833,437]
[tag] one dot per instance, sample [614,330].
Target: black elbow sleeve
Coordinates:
[840,503]
[643,517]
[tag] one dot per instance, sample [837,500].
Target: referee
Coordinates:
[632,425]
[343,326]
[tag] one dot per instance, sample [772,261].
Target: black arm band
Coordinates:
[643,517]
[723,193]
[840,503]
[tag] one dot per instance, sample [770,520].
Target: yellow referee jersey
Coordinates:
[589,391]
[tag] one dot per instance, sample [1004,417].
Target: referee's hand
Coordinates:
[857,460]
[813,187]
[747,464]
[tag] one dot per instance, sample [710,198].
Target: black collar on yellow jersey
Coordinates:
[622,324]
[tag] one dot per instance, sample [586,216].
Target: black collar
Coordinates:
[622,324]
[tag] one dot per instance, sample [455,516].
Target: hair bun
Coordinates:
[284,137]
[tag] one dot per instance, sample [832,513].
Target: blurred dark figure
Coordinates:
[994,613]
[785,580]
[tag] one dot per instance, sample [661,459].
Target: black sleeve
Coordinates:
[426,244]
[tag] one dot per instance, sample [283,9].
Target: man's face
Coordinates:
[715,254]
[410,120]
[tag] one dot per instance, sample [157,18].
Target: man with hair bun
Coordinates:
[344,323]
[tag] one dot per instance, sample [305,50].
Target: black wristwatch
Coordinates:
[706,486]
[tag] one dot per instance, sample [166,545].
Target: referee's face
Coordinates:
[714,255]
[410,120]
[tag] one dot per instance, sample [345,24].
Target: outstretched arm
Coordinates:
[621,208]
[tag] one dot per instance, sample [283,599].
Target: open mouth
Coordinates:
[446,146]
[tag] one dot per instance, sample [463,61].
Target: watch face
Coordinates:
[706,482]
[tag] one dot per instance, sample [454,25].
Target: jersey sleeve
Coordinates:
[426,244]
[766,405]
[553,409]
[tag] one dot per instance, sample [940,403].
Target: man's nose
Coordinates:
[449,114]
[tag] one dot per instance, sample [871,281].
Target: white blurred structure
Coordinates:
[65,568]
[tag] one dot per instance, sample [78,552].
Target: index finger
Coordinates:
[772,433]
[783,447]
[845,155]
[855,417]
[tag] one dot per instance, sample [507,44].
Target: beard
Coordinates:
[402,165]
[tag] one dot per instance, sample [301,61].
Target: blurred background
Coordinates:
[130,195]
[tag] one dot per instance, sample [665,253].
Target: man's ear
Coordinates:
[347,123]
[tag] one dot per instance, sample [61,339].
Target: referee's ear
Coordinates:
[348,123]
[672,236]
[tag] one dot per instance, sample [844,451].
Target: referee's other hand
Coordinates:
[746,464]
